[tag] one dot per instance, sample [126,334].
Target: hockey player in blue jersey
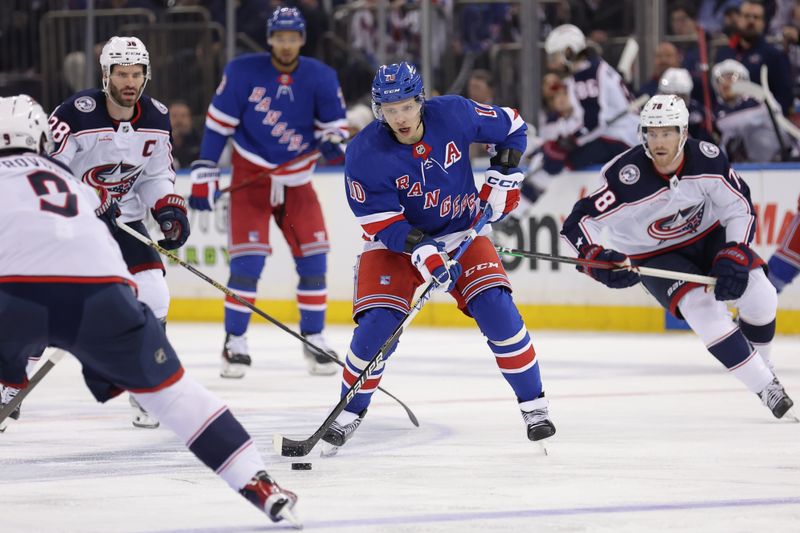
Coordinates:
[118,140]
[784,265]
[675,203]
[279,109]
[409,183]
[66,284]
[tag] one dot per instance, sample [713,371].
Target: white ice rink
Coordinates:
[653,435]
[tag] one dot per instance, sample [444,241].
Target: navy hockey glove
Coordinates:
[331,148]
[731,267]
[170,213]
[109,209]
[501,190]
[616,279]
[560,148]
[205,185]
[432,261]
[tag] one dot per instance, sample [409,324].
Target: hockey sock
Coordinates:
[781,271]
[312,293]
[374,327]
[508,338]
[245,271]
[209,429]
[760,337]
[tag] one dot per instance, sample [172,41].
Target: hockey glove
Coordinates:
[331,148]
[205,185]
[614,278]
[731,267]
[560,148]
[501,190]
[432,261]
[170,213]
[109,209]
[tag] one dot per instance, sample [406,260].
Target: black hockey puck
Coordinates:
[301,466]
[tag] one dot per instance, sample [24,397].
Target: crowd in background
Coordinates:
[467,38]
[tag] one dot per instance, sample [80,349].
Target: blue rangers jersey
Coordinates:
[428,185]
[647,213]
[132,160]
[274,117]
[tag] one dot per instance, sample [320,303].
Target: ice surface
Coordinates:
[652,436]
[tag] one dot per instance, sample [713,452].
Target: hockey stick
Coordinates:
[152,244]
[634,106]
[299,448]
[702,47]
[644,271]
[772,112]
[46,367]
[757,92]
[267,173]
[626,59]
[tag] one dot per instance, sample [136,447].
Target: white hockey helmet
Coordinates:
[676,81]
[729,67]
[24,125]
[124,51]
[664,110]
[563,38]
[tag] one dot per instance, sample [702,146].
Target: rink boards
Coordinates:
[549,295]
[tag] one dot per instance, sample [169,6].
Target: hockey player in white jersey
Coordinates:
[746,130]
[119,139]
[679,81]
[599,100]
[675,203]
[64,283]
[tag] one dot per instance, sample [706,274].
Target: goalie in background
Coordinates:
[746,131]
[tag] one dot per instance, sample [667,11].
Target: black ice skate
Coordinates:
[235,357]
[319,364]
[775,398]
[340,431]
[537,418]
[267,495]
[6,395]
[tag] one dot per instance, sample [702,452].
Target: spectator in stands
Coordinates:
[185,140]
[730,21]
[791,40]
[667,56]
[749,47]
[601,19]
[711,14]
[480,88]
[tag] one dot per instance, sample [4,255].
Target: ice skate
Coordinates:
[235,357]
[340,431]
[319,364]
[536,417]
[6,395]
[776,399]
[263,492]
[141,418]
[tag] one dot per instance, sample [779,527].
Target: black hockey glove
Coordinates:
[731,267]
[170,213]
[109,209]
[616,279]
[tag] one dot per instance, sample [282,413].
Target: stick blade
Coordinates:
[291,448]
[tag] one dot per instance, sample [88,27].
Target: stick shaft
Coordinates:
[46,367]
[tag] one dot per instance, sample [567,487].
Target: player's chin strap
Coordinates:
[643,271]
[141,238]
[293,448]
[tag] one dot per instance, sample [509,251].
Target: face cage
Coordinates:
[682,130]
[107,76]
[377,112]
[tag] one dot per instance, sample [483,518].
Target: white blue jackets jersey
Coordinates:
[746,132]
[646,213]
[274,117]
[44,206]
[598,94]
[428,185]
[132,160]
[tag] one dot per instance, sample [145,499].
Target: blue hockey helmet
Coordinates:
[393,83]
[286,19]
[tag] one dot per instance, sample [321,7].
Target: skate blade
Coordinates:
[790,416]
[322,369]
[543,447]
[4,424]
[287,514]
[233,371]
[328,450]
